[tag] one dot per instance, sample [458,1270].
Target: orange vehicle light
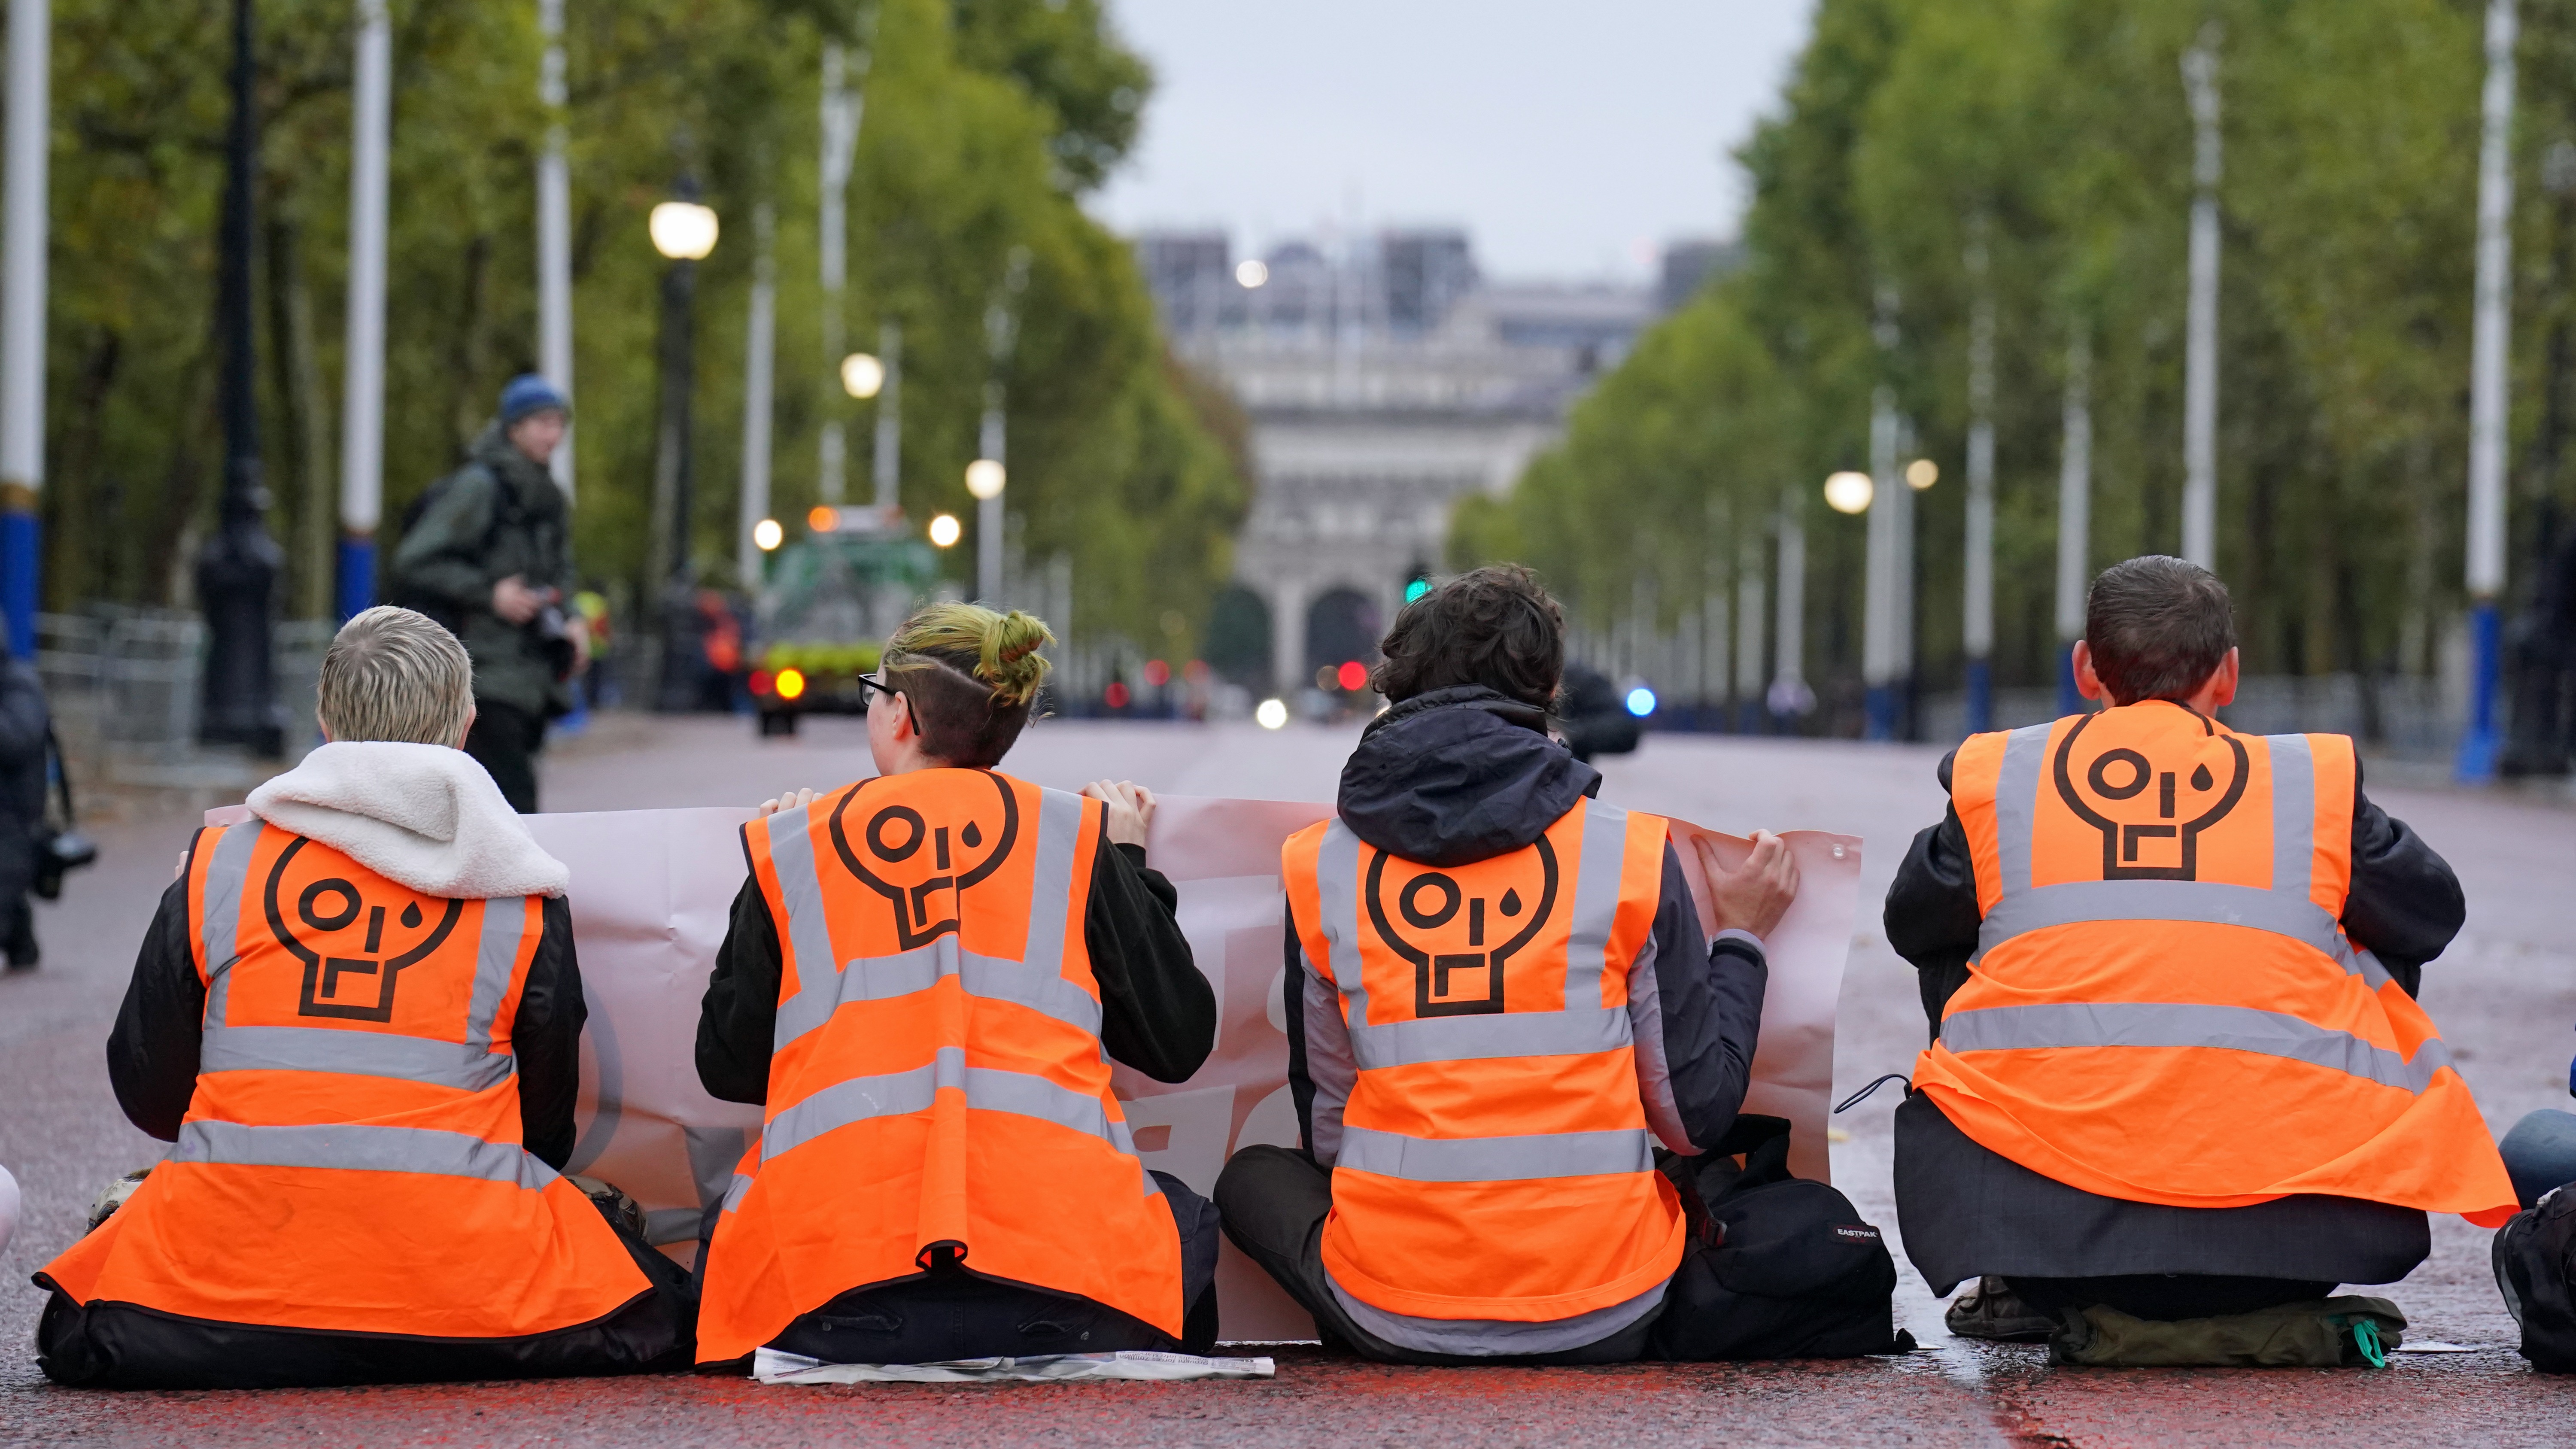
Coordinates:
[791,683]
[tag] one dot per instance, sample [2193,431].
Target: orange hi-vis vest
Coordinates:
[1495,1161]
[938,1075]
[2163,1006]
[351,1161]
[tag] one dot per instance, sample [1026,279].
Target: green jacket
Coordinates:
[500,515]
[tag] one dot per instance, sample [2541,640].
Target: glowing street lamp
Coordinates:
[862,376]
[1272,714]
[984,479]
[945,530]
[1922,473]
[683,231]
[1252,274]
[766,535]
[1849,492]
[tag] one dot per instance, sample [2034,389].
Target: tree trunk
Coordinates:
[308,421]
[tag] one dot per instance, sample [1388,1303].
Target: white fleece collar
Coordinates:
[424,816]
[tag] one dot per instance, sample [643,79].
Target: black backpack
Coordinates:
[2535,1266]
[1779,1266]
[505,511]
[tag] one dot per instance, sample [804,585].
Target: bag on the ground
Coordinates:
[1780,1267]
[2535,1266]
[2323,1333]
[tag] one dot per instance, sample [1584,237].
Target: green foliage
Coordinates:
[2056,133]
[983,122]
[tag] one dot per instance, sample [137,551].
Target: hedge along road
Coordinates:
[2505,996]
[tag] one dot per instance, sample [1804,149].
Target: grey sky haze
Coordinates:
[1570,139]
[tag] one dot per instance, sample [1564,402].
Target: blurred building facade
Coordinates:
[1385,378]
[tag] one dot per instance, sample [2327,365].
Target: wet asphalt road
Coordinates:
[2505,996]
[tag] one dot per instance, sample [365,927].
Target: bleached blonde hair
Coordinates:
[394,674]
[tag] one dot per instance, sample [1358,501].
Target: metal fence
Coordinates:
[126,684]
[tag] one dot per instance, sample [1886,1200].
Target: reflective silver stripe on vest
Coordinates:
[1037,981]
[2017,804]
[733,1194]
[227,881]
[2283,910]
[496,961]
[1582,1027]
[1495,1159]
[898,1094]
[2294,814]
[882,978]
[351,1147]
[2220,1028]
[352,1053]
[809,933]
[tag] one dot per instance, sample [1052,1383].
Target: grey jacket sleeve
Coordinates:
[1695,1011]
[1321,1066]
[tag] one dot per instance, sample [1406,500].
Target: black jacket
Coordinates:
[152,1053]
[24,727]
[1460,775]
[1157,1013]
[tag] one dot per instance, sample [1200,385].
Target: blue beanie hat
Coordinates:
[530,393]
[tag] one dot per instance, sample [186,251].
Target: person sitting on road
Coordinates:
[924,983]
[1498,1001]
[358,1016]
[2177,1067]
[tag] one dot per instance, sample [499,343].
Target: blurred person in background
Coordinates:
[487,551]
[26,744]
[1591,717]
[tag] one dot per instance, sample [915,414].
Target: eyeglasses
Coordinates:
[870,684]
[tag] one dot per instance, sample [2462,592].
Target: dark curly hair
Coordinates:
[1495,626]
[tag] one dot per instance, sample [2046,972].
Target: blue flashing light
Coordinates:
[1641,701]
[1416,589]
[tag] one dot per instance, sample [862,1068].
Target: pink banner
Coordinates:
[651,890]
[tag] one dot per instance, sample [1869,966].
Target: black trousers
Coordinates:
[2168,1297]
[121,1346]
[951,1312]
[1273,1203]
[505,740]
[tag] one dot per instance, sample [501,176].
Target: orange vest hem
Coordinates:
[1989,1127]
[1657,1270]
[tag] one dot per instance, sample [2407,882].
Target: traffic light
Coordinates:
[1417,583]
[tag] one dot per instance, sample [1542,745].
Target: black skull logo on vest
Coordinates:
[354,950]
[2151,812]
[1449,932]
[918,865]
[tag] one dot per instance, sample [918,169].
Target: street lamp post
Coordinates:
[554,233]
[2489,377]
[237,570]
[362,404]
[758,375]
[985,476]
[2074,513]
[1978,623]
[22,317]
[683,231]
[2200,343]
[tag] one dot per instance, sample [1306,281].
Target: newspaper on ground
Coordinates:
[772,1367]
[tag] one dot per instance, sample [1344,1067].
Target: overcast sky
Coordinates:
[1570,139]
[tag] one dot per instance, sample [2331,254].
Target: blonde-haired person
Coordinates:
[358,1015]
[925,981]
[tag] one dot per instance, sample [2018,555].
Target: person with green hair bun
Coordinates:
[924,983]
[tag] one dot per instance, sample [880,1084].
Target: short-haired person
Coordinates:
[358,1016]
[490,556]
[925,981]
[2177,1066]
[1498,1002]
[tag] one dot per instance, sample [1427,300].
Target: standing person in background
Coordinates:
[487,551]
[26,732]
